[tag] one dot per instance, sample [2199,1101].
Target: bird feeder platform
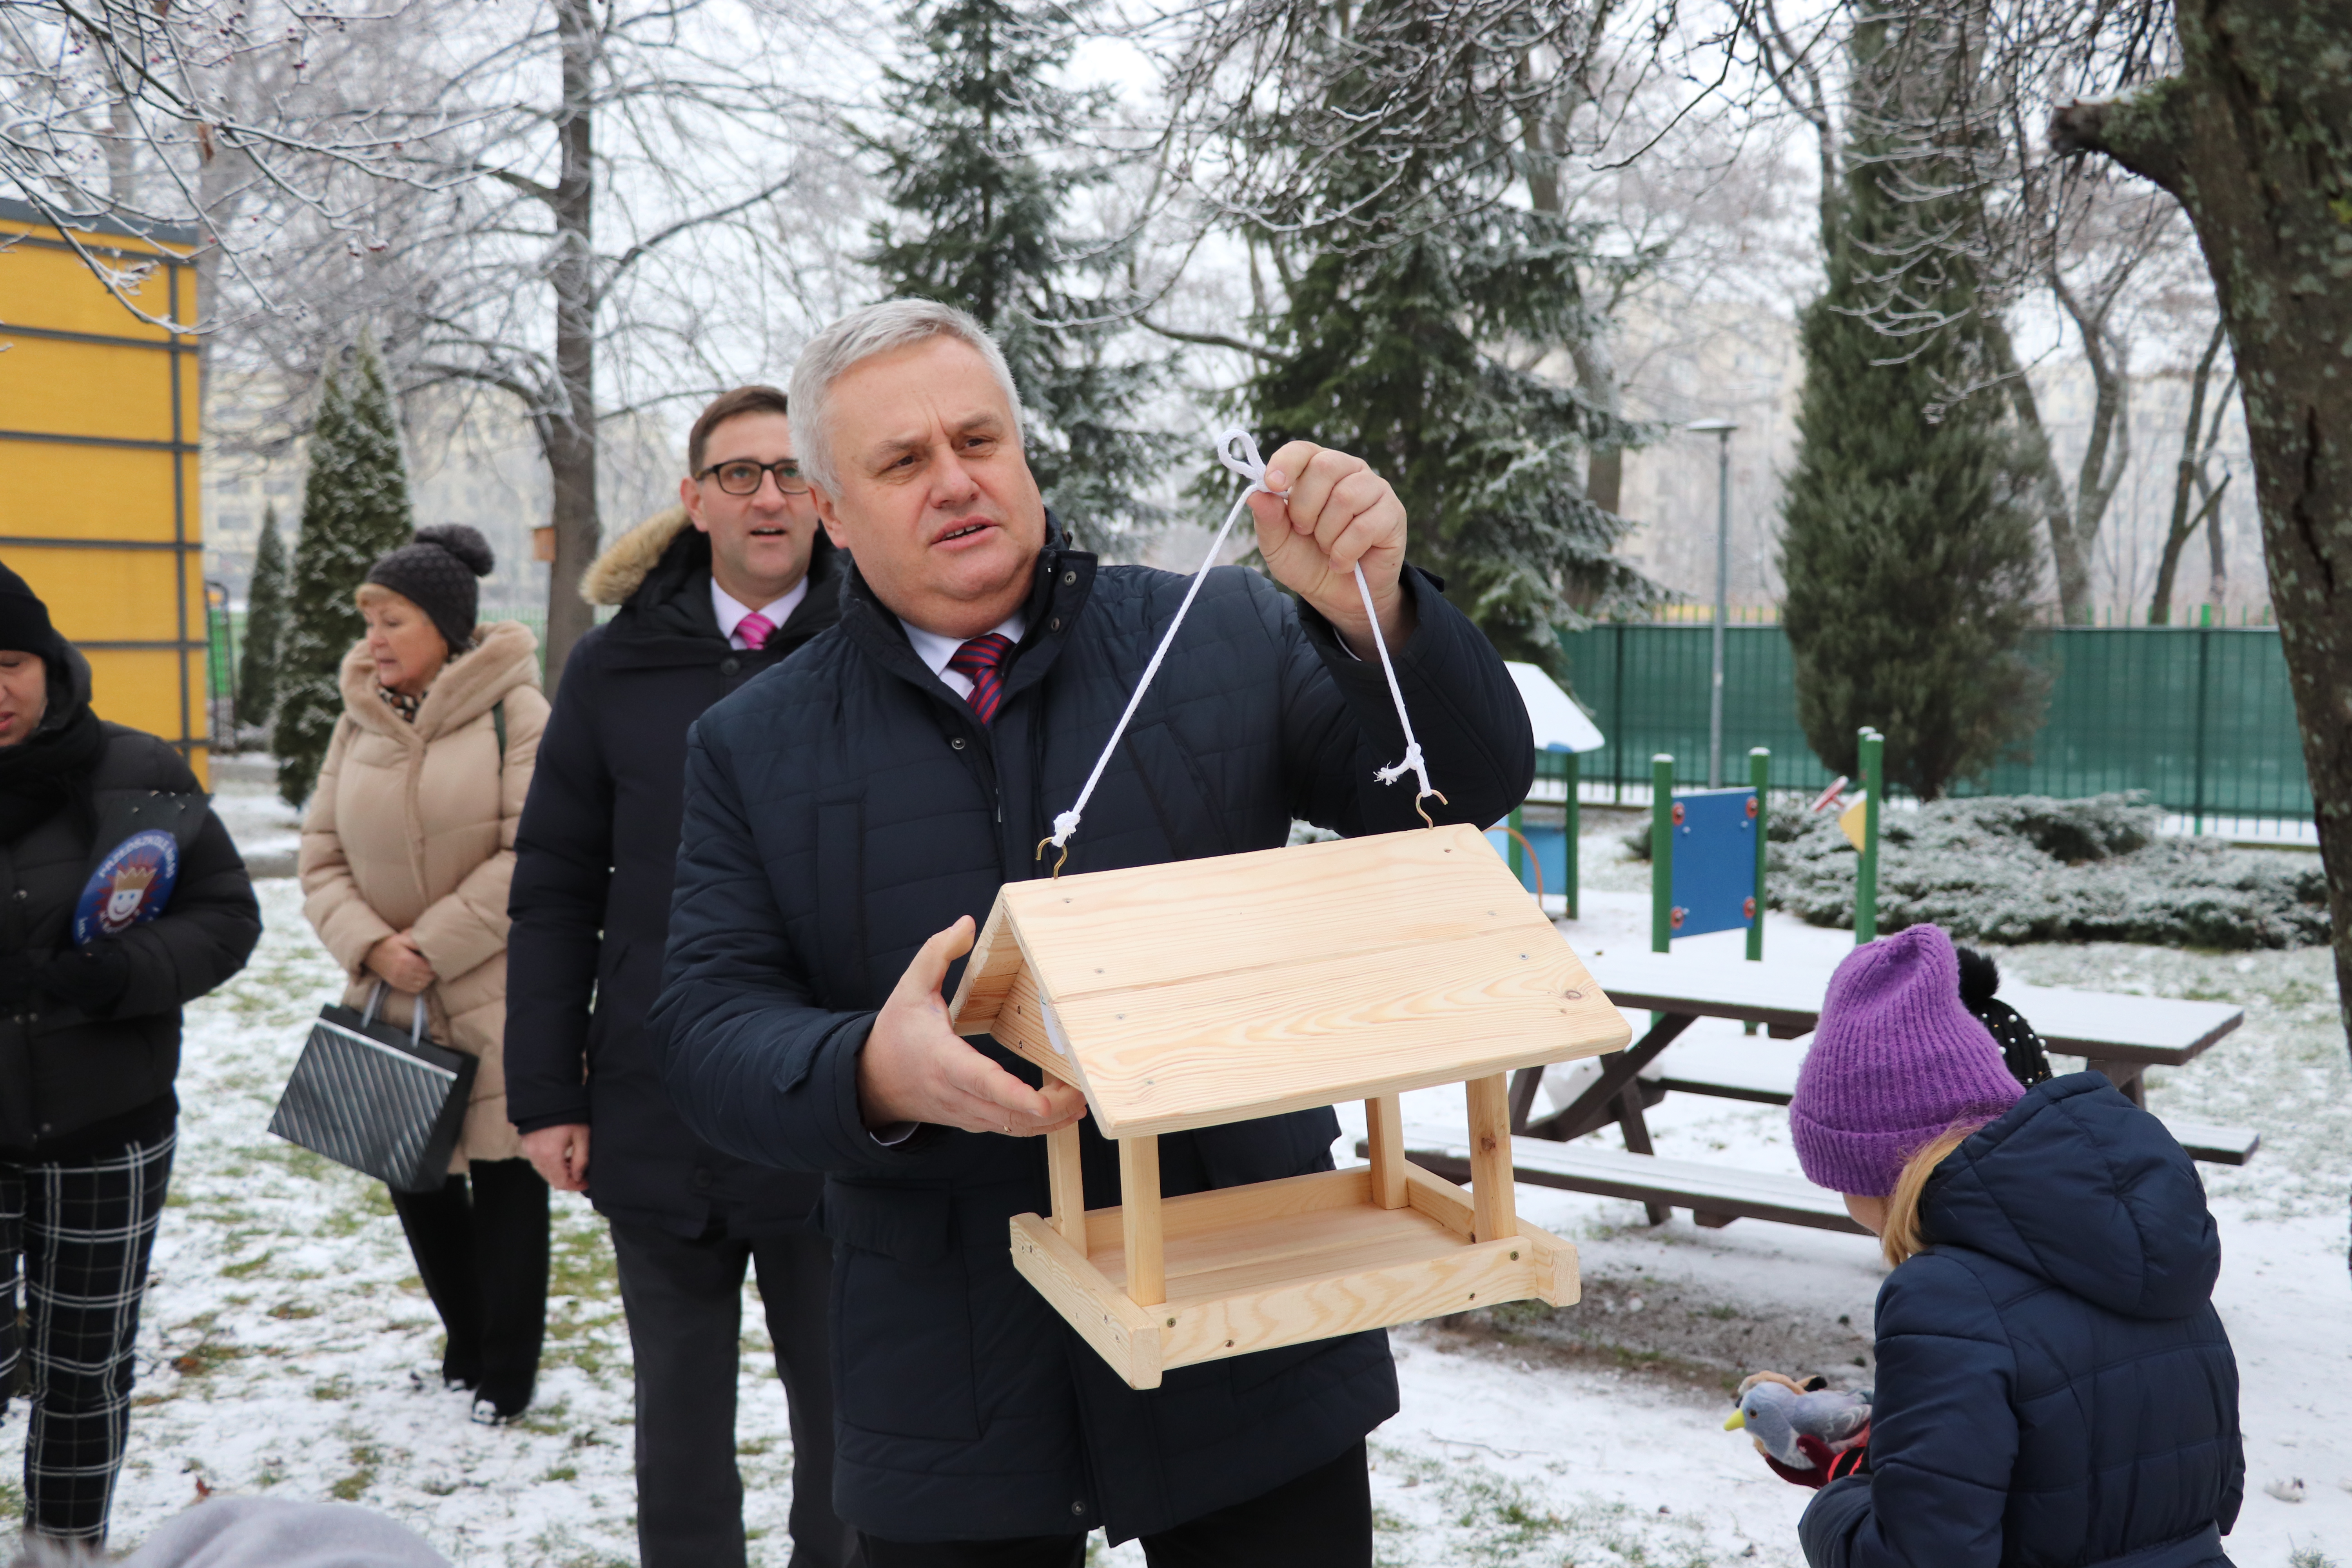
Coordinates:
[1206,991]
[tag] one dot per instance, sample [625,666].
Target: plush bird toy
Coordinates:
[1809,1433]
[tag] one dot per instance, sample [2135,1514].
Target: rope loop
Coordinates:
[1237,451]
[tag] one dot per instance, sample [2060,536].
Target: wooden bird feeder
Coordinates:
[1211,991]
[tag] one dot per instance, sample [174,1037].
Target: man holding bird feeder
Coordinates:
[850,816]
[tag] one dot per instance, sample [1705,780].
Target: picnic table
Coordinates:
[2119,1035]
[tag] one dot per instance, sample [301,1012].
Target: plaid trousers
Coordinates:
[77,1234]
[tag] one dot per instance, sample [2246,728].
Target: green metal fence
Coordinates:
[2199,717]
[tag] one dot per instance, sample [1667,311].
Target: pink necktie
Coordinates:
[755,629]
[981,662]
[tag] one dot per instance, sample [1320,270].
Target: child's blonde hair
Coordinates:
[1902,1237]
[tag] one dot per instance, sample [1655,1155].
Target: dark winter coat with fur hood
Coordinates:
[594,864]
[2054,1388]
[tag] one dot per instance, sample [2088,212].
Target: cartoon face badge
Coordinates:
[131,885]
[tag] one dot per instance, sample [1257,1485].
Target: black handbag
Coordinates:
[387,1102]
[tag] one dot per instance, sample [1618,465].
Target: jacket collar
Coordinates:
[1061,580]
[505,655]
[668,619]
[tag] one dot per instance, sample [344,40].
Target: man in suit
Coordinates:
[848,820]
[710,594]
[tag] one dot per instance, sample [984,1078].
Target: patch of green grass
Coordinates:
[293,1312]
[562,1473]
[364,1458]
[331,1388]
[2308,1557]
[248,1268]
[207,1356]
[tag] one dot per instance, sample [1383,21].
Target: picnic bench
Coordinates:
[2119,1035]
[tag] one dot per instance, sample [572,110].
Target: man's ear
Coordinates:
[689,496]
[829,515]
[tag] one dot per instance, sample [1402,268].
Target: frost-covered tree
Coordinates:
[265,625]
[1909,548]
[1411,339]
[976,158]
[354,508]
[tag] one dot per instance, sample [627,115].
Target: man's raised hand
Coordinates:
[1337,513]
[915,1068]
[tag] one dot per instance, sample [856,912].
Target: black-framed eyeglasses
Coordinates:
[741,478]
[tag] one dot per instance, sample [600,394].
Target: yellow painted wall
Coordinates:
[98,492]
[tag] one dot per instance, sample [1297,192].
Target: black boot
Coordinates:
[510,1266]
[440,1228]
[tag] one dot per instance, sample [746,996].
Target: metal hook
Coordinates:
[1066,855]
[1425,794]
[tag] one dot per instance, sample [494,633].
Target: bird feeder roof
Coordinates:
[1202,991]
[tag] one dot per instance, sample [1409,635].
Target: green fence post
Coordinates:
[1513,856]
[1662,853]
[1865,874]
[2204,669]
[1759,779]
[1572,820]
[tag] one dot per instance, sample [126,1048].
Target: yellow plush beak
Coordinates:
[1739,1419]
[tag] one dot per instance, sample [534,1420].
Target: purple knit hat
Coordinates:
[1897,1060]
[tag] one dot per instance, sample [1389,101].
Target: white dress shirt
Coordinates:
[936,650]
[731,613]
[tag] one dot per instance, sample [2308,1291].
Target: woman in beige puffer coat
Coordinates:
[407,848]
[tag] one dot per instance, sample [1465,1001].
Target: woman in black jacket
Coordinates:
[120,898]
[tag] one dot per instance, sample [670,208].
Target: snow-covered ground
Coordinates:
[288,1347]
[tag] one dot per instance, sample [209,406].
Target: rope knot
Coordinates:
[1237,451]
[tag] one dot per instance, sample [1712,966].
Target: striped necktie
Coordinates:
[981,662]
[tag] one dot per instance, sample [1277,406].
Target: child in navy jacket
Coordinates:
[2055,1389]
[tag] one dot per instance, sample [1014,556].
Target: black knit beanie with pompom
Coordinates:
[438,572]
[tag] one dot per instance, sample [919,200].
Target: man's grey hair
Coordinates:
[859,336]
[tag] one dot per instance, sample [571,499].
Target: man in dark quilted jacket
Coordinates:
[849,818]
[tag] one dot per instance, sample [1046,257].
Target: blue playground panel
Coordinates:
[1714,861]
[1551,855]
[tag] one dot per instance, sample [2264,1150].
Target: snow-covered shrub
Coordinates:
[2025,868]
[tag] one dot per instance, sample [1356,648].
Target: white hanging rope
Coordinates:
[1237,451]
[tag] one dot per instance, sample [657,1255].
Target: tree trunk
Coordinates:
[2252,137]
[1596,376]
[569,430]
[2191,468]
[2067,560]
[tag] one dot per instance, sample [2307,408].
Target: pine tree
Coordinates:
[1909,551]
[1407,342]
[971,165]
[265,625]
[354,508]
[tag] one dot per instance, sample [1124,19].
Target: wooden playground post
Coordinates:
[1865,873]
[1759,779]
[1662,853]
[1573,821]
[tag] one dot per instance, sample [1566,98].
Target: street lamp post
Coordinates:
[1721,429]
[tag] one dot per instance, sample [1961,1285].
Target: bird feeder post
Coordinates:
[1139,1214]
[1384,1140]
[1065,1183]
[1493,1185]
